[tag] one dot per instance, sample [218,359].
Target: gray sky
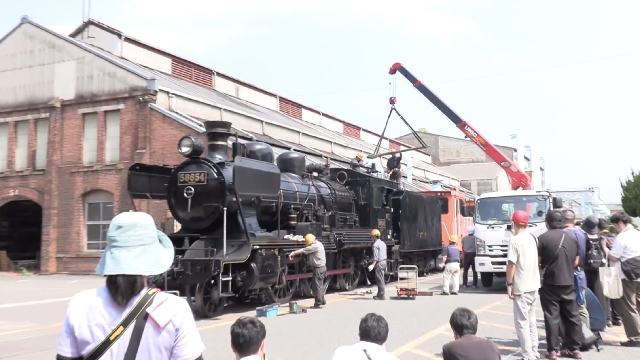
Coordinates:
[562,74]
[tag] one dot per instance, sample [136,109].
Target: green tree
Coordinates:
[631,194]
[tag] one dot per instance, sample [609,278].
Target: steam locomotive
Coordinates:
[241,215]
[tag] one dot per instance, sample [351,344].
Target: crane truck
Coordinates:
[493,210]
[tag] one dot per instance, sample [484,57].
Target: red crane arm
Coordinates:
[519,179]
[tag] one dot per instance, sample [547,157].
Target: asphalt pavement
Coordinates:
[32,310]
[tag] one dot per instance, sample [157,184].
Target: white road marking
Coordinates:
[27,303]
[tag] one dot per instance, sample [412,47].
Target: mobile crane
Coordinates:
[492,213]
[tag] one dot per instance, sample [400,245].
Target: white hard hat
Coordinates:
[471,230]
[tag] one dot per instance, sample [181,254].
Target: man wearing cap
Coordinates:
[523,282]
[164,327]
[379,262]
[596,258]
[451,274]
[469,257]
[356,163]
[318,260]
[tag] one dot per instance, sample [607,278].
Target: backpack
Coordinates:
[595,254]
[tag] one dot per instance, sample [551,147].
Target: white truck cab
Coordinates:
[492,221]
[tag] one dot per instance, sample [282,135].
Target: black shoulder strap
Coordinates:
[366,353]
[136,337]
[141,305]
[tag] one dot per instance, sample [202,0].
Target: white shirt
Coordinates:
[523,252]
[354,352]
[626,246]
[92,315]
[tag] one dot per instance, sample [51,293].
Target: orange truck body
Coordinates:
[454,220]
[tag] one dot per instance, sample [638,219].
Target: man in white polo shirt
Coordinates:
[626,254]
[373,333]
[523,282]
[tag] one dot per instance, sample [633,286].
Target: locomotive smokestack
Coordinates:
[218,133]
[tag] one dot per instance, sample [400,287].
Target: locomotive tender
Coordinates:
[241,216]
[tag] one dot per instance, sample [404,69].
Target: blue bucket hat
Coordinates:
[135,247]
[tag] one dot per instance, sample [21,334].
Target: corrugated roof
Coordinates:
[176,84]
[474,171]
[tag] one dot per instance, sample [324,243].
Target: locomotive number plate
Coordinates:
[192,178]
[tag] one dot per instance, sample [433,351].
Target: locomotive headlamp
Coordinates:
[190,146]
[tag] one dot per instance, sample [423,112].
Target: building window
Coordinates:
[98,212]
[4,146]
[42,140]
[22,145]
[90,142]
[112,144]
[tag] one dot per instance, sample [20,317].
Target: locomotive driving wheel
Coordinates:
[208,302]
[349,281]
[282,291]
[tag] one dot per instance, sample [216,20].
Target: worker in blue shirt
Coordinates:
[451,274]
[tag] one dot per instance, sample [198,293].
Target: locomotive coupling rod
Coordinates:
[394,152]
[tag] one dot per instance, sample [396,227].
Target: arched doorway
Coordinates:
[21,232]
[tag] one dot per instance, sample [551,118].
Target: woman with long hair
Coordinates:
[124,319]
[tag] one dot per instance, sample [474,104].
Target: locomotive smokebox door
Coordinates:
[256,178]
[305,228]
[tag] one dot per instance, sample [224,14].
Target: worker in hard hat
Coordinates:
[469,257]
[379,264]
[394,166]
[451,274]
[318,261]
[357,162]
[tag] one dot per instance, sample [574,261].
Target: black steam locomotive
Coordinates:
[241,216]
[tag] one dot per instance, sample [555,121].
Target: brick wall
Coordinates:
[145,136]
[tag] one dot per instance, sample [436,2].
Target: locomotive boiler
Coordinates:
[242,213]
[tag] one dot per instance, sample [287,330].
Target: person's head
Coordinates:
[359,156]
[568,217]
[620,221]
[471,230]
[453,239]
[590,225]
[519,221]
[603,225]
[135,249]
[374,329]
[375,234]
[463,322]
[554,219]
[395,153]
[247,337]
[309,239]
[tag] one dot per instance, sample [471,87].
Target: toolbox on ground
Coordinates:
[267,311]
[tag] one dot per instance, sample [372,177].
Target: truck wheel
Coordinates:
[487,279]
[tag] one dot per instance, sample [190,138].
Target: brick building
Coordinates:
[76,111]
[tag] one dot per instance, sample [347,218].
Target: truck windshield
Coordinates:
[499,210]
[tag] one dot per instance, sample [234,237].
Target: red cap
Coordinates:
[520,217]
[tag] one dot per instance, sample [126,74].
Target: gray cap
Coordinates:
[590,224]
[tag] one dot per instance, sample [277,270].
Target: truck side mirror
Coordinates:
[557,203]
